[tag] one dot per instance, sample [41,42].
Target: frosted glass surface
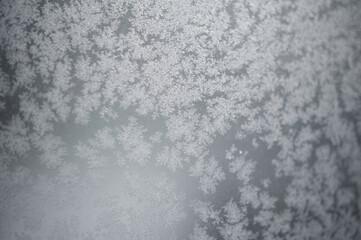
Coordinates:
[180,119]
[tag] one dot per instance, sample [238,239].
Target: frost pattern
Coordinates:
[231,119]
